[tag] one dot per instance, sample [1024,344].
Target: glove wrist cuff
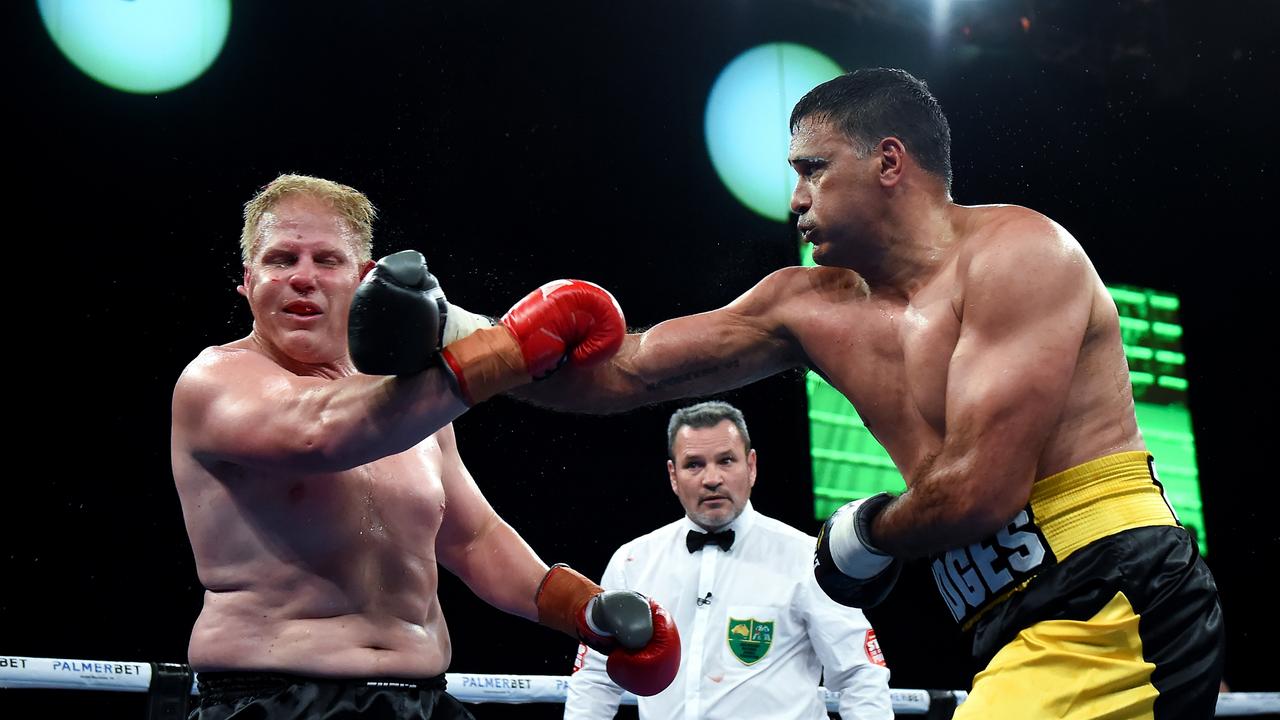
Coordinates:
[865,512]
[562,601]
[851,548]
[487,362]
[460,322]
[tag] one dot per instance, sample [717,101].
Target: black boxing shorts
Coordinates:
[1093,602]
[280,696]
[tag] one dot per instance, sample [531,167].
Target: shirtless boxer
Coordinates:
[983,351]
[319,501]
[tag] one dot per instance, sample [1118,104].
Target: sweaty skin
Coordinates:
[319,501]
[977,343]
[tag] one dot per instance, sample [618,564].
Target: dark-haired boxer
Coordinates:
[320,501]
[984,353]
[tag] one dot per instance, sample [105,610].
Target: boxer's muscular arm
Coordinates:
[745,341]
[478,546]
[237,406]
[1027,301]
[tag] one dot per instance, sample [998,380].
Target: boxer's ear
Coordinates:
[891,153]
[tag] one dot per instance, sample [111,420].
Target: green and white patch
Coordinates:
[749,639]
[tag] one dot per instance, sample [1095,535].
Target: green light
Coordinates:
[1128,296]
[806,255]
[866,459]
[141,46]
[1134,324]
[1166,429]
[746,121]
[1137,352]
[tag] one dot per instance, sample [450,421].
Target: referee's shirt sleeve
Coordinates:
[592,695]
[840,638]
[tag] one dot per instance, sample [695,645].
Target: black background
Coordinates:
[514,143]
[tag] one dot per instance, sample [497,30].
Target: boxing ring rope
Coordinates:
[65,674]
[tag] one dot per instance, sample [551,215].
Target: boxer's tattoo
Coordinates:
[691,375]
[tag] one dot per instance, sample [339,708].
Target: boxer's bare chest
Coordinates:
[404,491]
[394,502]
[890,357]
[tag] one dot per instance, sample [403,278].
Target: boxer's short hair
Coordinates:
[346,201]
[872,104]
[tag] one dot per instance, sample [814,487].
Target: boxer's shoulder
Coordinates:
[222,371]
[793,291]
[799,281]
[1010,228]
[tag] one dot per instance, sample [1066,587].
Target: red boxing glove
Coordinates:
[564,320]
[651,668]
[636,633]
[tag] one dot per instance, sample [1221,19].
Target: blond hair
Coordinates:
[349,203]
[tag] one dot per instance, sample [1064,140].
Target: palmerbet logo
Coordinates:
[98,668]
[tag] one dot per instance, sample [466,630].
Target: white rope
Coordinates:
[64,674]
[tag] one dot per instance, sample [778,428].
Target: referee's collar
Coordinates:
[740,526]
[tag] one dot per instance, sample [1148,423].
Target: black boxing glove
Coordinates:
[399,318]
[848,568]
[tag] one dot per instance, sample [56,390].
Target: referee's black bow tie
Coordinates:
[695,540]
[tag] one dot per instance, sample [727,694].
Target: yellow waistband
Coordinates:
[1099,498]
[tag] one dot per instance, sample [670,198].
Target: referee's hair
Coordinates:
[705,415]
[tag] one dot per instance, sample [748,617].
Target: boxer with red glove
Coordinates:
[638,635]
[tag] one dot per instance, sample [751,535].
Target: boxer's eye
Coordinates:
[807,167]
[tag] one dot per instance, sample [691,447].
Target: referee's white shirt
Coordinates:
[733,664]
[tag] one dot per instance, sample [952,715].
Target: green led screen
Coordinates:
[849,464]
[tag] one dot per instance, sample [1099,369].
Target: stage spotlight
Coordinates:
[746,121]
[139,46]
